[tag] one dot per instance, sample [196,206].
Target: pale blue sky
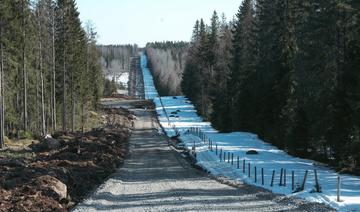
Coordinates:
[142,21]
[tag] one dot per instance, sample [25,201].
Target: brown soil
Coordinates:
[34,179]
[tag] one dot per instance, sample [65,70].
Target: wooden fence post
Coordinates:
[238,162]
[255,172]
[249,170]
[232,158]
[220,155]
[304,181]
[272,178]
[228,157]
[281,177]
[285,177]
[338,188]
[317,186]
[292,180]
[216,149]
[262,176]
[244,166]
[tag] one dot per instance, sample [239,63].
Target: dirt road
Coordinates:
[157,178]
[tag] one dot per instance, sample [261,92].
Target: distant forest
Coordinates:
[286,70]
[167,63]
[115,59]
[50,73]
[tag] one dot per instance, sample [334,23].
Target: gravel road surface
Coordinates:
[157,178]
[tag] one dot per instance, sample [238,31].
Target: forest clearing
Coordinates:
[247,105]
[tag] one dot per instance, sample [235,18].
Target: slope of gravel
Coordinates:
[157,178]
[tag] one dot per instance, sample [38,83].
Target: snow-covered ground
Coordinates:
[178,113]
[121,79]
[149,87]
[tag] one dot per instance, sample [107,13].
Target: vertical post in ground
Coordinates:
[216,149]
[284,177]
[338,188]
[281,176]
[262,176]
[272,178]
[238,162]
[255,172]
[249,170]
[292,180]
[220,154]
[317,186]
[244,166]
[304,181]
[232,158]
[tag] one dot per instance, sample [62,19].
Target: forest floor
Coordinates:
[56,173]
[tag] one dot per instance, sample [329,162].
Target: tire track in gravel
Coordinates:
[156,178]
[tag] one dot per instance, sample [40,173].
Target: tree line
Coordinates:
[115,61]
[287,70]
[50,74]
[167,63]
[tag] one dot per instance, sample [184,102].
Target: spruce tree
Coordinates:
[242,65]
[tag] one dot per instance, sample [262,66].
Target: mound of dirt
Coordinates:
[57,173]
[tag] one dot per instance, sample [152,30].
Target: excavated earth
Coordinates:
[57,173]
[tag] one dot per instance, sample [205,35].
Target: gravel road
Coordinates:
[156,178]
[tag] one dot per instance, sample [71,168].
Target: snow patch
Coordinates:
[269,158]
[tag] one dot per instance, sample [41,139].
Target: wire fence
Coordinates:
[256,173]
[249,168]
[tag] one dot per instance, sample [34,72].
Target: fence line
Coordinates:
[228,157]
[197,132]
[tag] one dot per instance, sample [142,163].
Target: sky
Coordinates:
[142,21]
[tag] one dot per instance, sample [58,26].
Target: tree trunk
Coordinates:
[82,118]
[53,120]
[2,113]
[73,118]
[43,124]
[25,114]
[64,93]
